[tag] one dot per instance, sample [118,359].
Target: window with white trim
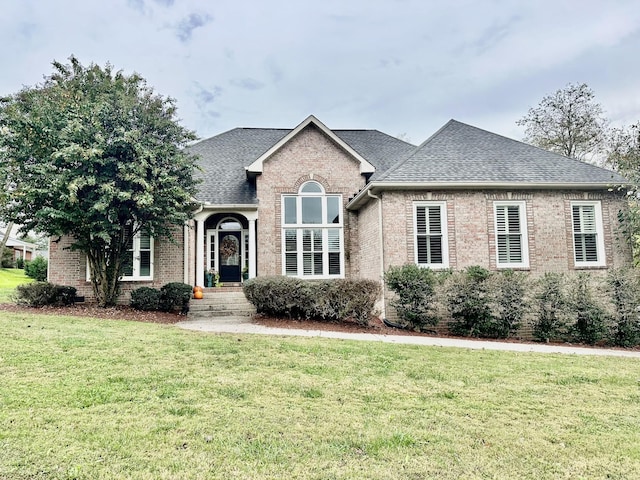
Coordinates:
[588,238]
[430,238]
[312,233]
[512,249]
[139,262]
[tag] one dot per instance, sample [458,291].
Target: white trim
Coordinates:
[324,227]
[600,250]
[257,165]
[444,225]
[524,235]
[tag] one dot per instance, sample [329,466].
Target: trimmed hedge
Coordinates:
[145,298]
[40,294]
[328,300]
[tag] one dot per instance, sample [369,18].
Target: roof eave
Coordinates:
[374,188]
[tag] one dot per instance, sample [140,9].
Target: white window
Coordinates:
[588,238]
[512,250]
[312,233]
[430,239]
[139,261]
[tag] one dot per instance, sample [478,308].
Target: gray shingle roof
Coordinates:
[456,154]
[223,159]
[460,153]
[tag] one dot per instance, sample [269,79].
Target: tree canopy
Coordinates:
[95,154]
[568,122]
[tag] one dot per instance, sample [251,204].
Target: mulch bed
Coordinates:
[123,312]
[120,312]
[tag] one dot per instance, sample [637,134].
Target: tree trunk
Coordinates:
[5,239]
[105,278]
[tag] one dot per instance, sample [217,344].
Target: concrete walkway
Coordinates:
[245,325]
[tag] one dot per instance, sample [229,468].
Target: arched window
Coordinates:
[312,233]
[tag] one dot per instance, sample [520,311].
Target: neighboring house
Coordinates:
[317,203]
[19,248]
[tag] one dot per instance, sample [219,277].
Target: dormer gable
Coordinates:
[256,167]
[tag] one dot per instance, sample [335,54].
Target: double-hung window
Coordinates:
[430,240]
[139,261]
[511,235]
[312,233]
[588,241]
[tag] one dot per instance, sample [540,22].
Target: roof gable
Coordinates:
[257,166]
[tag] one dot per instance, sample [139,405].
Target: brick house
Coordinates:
[318,203]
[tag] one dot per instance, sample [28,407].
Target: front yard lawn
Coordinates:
[90,398]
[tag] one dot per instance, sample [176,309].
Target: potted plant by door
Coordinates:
[245,274]
[211,278]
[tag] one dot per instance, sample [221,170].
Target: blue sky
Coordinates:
[404,67]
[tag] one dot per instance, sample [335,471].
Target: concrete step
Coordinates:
[221,302]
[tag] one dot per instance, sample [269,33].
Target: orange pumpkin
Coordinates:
[197,289]
[198,294]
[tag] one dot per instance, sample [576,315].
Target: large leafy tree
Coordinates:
[624,156]
[95,154]
[568,122]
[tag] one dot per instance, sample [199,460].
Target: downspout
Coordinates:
[381,240]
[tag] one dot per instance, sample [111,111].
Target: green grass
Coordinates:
[86,399]
[10,278]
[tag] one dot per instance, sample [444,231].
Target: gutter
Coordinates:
[374,187]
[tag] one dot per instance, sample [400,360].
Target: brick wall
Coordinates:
[68,267]
[310,155]
[471,229]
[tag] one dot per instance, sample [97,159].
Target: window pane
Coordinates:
[145,264]
[312,187]
[127,266]
[306,240]
[421,220]
[435,250]
[290,239]
[333,209]
[311,210]
[317,240]
[317,263]
[145,241]
[307,264]
[423,253]
[334,240]
[334,263]
[291,264]
[290,213]
[435,223]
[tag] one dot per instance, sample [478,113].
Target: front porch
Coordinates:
[225,246]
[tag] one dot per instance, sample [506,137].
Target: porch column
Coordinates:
[252,248]
[199,253]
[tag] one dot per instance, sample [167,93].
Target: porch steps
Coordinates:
[221,302]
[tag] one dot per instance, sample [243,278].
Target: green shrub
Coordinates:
[20,263]
[175,295]
[36,269]
[145,298]
[467,298]
[279,296]
[414,287]
[6,261]
[39,294]
[552,308]
[589,325]
[330,300]
[338,300]
[510,304]
[624,290]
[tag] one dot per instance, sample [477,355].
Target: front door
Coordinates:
[229,256]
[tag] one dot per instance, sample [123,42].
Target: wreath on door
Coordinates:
[229,246]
